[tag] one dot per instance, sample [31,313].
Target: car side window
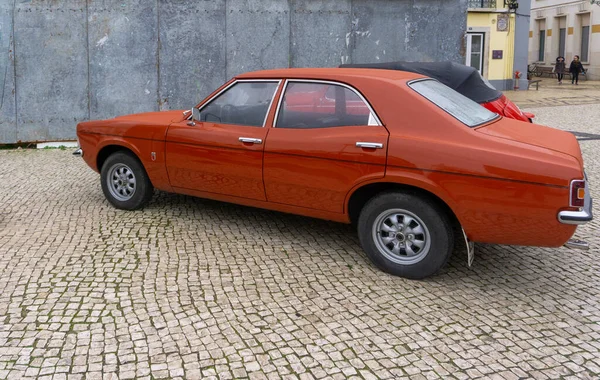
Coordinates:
[322,105]
[244,103]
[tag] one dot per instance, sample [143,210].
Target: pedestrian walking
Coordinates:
[575,68]
[559,68]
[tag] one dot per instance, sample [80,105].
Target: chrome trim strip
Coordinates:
[378,121]
[271,103]
[279,103]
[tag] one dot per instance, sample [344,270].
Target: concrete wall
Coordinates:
[62,62]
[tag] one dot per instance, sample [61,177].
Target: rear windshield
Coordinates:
[462,108]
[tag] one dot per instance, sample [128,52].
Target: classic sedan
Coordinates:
[416,166]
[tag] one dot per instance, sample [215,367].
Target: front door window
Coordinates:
[244,103]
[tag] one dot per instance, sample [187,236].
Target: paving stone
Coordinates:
[191,288]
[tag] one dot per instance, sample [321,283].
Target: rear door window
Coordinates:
[322,105]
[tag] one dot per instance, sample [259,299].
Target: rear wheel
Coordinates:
[405,235]
[125,183]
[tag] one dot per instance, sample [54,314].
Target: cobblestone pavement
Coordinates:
[190,288]
[551,94]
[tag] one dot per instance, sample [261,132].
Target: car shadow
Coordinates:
[494,266]
[583,136]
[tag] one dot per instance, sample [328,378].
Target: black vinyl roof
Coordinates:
[463,79]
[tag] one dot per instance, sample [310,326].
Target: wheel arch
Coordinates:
[362,194]
[109,149]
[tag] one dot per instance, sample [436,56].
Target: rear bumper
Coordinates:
[582,216]
[576,217]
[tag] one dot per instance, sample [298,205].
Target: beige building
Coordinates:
[497,40]
[567,28]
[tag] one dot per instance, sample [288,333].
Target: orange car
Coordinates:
[406,159]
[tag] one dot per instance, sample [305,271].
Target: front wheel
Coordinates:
[125,183]
[405,235]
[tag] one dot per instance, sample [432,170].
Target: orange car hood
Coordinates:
[536,135]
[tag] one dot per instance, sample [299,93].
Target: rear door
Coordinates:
[326,139]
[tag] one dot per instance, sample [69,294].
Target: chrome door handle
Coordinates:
[371,145]
[250,140]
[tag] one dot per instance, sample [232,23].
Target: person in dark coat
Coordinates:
[559,68]
[575,68]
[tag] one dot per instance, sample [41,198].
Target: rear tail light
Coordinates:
[577,193]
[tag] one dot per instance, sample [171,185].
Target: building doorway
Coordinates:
[475,51]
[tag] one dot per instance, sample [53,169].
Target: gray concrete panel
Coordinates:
[123,47]
[51,69]
[8,125]
[380,29]
[258,35]
[192,51]
[320,33]
[434,31]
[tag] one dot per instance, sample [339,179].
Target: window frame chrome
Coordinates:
[356,92]
[208,101]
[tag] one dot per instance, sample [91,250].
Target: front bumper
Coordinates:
[584,214]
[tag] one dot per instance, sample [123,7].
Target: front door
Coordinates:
[223,152]
[475,51]
[326,139]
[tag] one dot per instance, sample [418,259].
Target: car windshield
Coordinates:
[459,106]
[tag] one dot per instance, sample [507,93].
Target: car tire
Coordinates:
[405,234]
[125,183]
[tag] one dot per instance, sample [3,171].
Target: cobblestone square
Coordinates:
[191,288]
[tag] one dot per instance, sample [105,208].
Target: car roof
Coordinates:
[333,73]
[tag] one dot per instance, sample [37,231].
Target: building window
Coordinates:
[542,45]
[482,4]
[582,41]
[585,42]
[562,37]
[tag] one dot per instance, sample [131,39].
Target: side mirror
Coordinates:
[195,114]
